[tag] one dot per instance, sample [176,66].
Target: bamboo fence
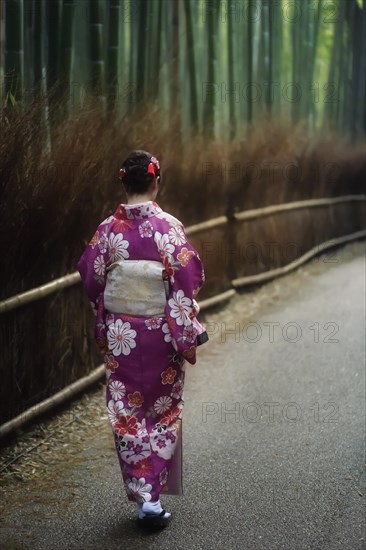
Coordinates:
[74,278]
[97,374]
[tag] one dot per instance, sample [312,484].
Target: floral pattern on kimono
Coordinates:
[182,263]
[145,355]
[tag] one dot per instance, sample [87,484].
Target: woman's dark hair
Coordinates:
[136,178]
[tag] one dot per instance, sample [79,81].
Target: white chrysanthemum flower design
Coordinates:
[121,338]
[117,389]
[163,476]
[118,247]
[167,334]
[146,229]
[181,307]
[153,323]
[115,409]
[164,246]
[103,242]
[176,235]
[139,488]
[99,265]
[162,404]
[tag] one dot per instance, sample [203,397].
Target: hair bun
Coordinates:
[138,176]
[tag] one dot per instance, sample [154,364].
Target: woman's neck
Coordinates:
[137,199]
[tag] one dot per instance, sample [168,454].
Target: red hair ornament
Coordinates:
[151,169]
[153,165]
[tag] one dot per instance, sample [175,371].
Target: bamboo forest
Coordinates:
[216,66]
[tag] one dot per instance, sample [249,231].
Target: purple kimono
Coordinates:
[145,354]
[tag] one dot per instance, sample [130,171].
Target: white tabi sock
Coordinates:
[150,508]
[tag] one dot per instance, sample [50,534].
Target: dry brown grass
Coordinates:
[51,204]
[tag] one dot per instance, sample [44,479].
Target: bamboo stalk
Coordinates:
[250,60]
[67,21]
[14,53]
[141,52]
[157,59]
[272,273]
[2,50]
[37,45]
[96,49]
[174,100]
[266,22]
[296,68]
[212,14]
[53,32]
[191,67]
[28,51]
[44,83]
[113,48]
[358,80]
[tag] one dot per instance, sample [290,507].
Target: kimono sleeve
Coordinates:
[92,267]
[186,276]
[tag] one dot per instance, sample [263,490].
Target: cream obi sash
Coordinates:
[135,287]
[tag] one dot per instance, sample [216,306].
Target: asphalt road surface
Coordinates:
[273,432]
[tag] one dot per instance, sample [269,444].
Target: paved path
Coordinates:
[274,431]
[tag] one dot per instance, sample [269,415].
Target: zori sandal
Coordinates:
[152,520]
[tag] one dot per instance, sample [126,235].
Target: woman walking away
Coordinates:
[142,277]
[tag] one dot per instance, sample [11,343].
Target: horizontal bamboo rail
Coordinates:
[39,292]
[51,402]
[310,203]
[272,273]
[218,299]
[209,224]
[73,278]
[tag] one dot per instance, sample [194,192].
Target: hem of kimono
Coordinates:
[176,467]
